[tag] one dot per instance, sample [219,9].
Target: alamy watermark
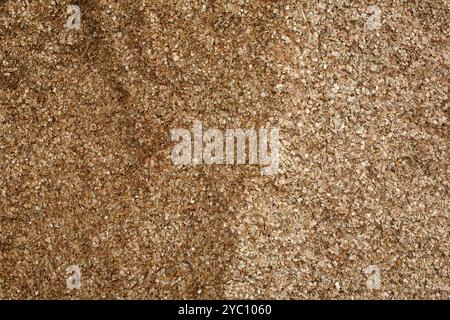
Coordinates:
[373,17]
[214,147]
[73,281]
[74,20]
[373,274]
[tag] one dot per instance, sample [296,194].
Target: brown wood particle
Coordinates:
[86,177]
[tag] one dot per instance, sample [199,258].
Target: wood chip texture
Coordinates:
[358,89]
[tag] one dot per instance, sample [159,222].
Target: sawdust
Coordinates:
[87,179]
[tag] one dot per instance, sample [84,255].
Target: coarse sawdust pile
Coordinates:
[87,179]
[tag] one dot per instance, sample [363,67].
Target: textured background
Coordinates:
[86,177]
